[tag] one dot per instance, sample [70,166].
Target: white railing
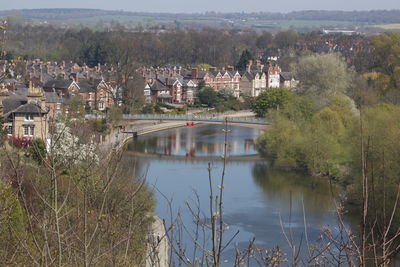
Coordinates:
[187,117]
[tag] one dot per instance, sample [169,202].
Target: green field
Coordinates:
[214,21]
[389,26]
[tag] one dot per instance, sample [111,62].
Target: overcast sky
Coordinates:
[190,6]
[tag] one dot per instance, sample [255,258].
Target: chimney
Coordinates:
[248,66]
[194,73]
[259,66]
[36,95]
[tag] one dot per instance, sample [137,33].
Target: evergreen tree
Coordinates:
[244,58]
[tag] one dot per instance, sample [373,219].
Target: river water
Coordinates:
[258,200]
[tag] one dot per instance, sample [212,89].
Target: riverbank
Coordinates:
[158,245]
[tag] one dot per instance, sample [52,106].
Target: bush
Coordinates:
[303,136]
[37,151]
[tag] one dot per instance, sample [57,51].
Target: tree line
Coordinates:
[184,47]
[345,125]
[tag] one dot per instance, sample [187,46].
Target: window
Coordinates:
[29,130]
[58,106]
[9,130]
[101,105]
[29,117]
[26,130]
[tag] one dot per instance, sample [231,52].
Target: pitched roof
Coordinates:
[58,84]
[247,75]
[85,87]
[30,108]
[157,85]
[10,104]
[53,97]
[287,76]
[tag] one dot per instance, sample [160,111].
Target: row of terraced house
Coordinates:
[173,84]
[47,89]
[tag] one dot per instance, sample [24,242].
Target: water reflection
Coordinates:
[281,186]
[198,141]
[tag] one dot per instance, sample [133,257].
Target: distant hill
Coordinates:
[385,16]
[298,19]
[57,13]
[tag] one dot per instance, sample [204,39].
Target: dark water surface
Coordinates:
[258,200]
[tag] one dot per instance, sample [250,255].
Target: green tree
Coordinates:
[387,57]
[208,96]
[77,107]
[315,139]
[387,51]
[114,115]
[37,151]
[323,75]
[243,60]
[201,84]
[272,98]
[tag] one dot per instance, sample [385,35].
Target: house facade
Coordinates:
[26,116]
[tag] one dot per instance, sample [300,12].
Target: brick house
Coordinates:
[273,75]
[156,91]
[252,83]
[54,103]
[26,116]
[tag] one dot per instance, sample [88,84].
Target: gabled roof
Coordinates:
[186,82]
[157,85]
[227,72]
[85,87]
[173,81]
[287,76]
[248,76]
[201,74]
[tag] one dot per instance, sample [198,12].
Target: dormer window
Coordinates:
[28,117]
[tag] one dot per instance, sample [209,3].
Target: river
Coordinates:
[258,200]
